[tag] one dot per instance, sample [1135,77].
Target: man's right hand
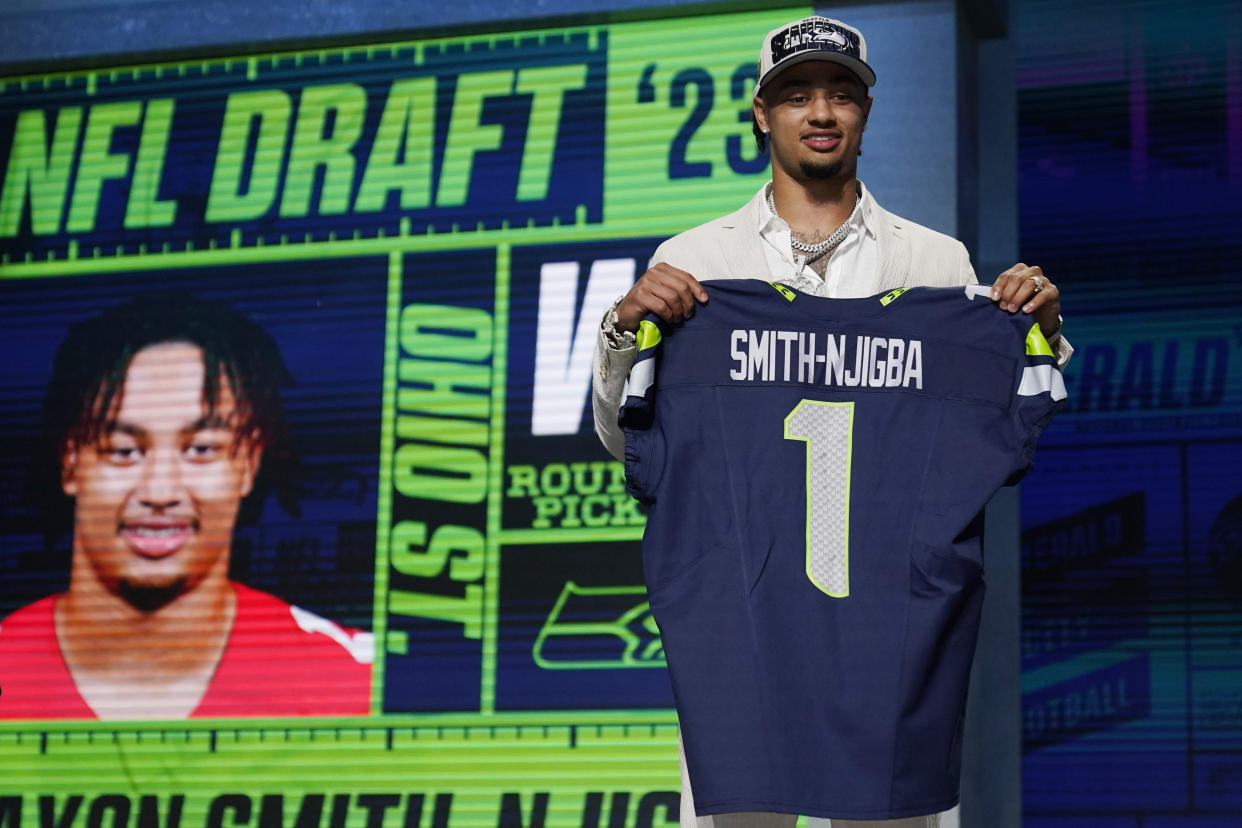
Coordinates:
[664,290]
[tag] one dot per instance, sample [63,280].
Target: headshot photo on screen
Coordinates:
[163,429]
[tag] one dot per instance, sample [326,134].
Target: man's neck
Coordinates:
[814,209]
[105,637]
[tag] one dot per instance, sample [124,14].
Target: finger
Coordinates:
[696,289]
[1034,303]
[1007,281]
[1039,291]
[1016,274]
[675,292]
[680,290]
[677,302]
[1039,298]
[649,302]
[691,284]
[1045,306]
[1018,286]
[1021,295]
[639,302]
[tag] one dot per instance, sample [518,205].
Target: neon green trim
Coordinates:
[1036,344]
[518,537]
[495,488]
[820,485]
[383,520]
[888,298]
[648,335]
[784,291]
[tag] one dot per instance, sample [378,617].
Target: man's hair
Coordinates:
[88,377]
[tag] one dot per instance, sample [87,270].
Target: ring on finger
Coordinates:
[1038,282]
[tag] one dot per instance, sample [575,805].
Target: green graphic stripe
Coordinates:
[478,766]
[99,257]
[102,260]
[264,728]
[254,66]
[495,488]
[514,537]
[120,261]
[383,521]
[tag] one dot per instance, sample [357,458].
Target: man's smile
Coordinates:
[157,538]
[822,141]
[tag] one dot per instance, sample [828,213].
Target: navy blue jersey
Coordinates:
[816,470]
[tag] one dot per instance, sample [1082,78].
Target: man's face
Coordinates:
[815,113]
[156,495]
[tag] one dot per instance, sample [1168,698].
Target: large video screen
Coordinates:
[304,518]
[1130,142]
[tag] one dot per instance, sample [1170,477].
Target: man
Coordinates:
[161,417]
[815,228]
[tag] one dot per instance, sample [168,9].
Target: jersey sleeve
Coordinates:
[643,438]
[1040,394]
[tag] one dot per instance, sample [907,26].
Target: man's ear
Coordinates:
[69,469]
[761,117]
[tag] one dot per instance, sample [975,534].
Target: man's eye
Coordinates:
[204,450]
[121,455]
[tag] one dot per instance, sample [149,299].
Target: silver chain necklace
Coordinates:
[814,251]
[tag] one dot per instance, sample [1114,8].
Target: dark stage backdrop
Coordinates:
[1130,152]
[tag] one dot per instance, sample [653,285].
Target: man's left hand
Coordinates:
[1026,288]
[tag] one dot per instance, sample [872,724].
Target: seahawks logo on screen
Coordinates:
[599,628]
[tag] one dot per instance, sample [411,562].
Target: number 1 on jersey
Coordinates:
[827,428]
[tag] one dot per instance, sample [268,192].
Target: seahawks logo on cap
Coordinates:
[819,36]
[831,36]
[814,38]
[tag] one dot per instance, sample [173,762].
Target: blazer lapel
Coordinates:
[742,255]
[893,251]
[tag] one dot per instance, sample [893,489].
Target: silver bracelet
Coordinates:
[615,338]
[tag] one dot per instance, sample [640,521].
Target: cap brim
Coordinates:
[862,70]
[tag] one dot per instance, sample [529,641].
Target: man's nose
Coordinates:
[821,111]
[161,485]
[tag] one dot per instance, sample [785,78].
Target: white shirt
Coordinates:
[851,266]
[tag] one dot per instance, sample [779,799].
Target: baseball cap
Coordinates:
[814,38]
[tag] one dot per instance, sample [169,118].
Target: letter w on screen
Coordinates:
[563,343]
